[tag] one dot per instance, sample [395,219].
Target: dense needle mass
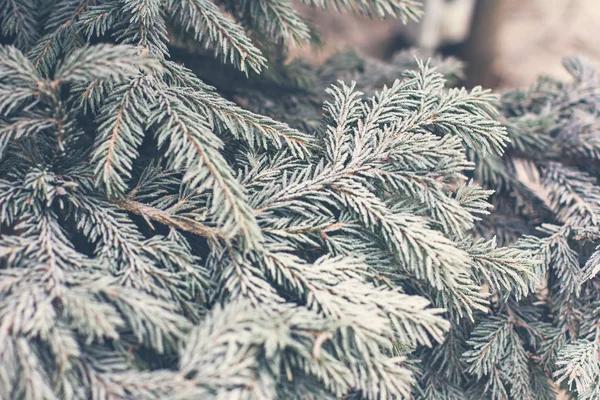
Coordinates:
[162,241]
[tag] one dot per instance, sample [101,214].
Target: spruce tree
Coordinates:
[498,354]
[545,200]
[161,241]
[547,186]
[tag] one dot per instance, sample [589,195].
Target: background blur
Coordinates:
[506,43]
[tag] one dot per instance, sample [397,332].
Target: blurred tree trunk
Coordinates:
[467,29]
[480,49]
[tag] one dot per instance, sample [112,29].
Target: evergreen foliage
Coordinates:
[549,180]
[161,241]
[545,187]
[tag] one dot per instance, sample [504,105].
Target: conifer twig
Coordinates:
[163,217]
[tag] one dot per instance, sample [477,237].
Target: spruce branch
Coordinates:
[191,145]
[147,26]
[162,217]
[19,19]
[403,9]
[121,122]
[232,119]
[60,23]
[276,18]
[104,63]
[211,28]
